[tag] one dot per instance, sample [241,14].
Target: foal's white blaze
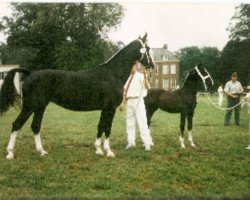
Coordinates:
[181,139]
[107,148]
[11,145]
[39,146]
[98,143]
[190,138]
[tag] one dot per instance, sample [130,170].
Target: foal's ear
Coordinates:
[144,38]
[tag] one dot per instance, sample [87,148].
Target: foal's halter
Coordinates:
[203,78]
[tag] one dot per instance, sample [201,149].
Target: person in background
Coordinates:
[135,90]
[233,90]
[220,92]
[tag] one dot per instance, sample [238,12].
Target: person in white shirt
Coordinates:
[233,90]
[220,92]
[135,90]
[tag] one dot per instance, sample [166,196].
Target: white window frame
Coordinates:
[165,69]
[173,68]
[165,83]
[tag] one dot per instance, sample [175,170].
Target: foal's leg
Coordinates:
[36,126]
[182,127]
[108,124]
[190,126]
[16,126]
[150,111]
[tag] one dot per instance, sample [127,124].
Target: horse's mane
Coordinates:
[116,54]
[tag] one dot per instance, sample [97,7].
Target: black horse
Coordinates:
[100,88]
[181,101]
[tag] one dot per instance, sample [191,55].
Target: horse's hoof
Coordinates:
[99,152]
[10,156]
[44,153]
[183,147]
[110,154]
[193,145]
[248,148]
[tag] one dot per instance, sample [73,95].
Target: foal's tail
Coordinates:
[8,91]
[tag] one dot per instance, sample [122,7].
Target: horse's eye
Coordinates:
[143,50]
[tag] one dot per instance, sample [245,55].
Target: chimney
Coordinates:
[165,46]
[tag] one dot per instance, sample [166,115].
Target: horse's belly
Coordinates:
[78,104]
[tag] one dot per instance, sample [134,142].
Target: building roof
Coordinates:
[162,54]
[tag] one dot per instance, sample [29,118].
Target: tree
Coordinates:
[236,53]
[189,57]
[65,35]
[239,26]
[208,56]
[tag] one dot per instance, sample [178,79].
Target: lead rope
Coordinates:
[244,102]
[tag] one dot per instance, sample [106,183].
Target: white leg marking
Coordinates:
[107,148]
[181,139]
[11,145]
[190,138]
[248,147]
[98,143]
[39,146]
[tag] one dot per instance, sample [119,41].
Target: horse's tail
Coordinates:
[8,91]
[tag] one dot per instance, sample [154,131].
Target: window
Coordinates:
[165,84]
[173,69]
[165,69]
[156,69]
[156,83]
[173,83]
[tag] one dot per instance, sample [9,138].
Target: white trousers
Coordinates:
[136,112]
[220,99]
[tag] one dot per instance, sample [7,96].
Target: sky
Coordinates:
[176,24]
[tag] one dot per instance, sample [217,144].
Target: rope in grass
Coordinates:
[244,102]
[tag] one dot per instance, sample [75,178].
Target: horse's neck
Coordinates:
[190,87]
[121,69]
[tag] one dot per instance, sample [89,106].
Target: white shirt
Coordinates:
[233,87]
[136,87]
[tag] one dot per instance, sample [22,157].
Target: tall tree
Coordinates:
[239,26]
[208,56]
[236,53]
[65,35]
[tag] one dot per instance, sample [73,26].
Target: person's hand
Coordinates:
[234,96]
[145,72]
[121,107]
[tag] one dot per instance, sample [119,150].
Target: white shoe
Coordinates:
[147,148]
[129,146]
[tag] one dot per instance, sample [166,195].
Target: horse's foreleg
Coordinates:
[150,111]
[16,126]
[190,126]
[182,128]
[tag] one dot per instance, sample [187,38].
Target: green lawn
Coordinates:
[218,167]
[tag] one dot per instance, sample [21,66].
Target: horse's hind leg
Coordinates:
[190,126]
[36,126]
[104,125]
[182,127]
[108,124]
[16,126]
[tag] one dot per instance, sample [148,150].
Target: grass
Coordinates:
[219,167]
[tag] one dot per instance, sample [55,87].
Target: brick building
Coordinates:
[166,74]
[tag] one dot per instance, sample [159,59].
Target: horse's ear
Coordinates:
[144,38]
[139,37]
